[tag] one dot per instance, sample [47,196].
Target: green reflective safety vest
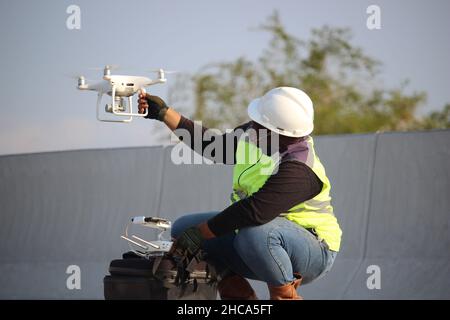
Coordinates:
[253,168]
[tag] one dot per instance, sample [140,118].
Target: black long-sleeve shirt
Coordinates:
[293,183]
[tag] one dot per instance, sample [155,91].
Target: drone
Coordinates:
[120,88]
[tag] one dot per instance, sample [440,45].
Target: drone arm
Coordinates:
[152,82]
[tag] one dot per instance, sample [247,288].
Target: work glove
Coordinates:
[186,250]
[156,106]
[189,243]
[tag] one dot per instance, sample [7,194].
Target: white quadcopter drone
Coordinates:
[120,87]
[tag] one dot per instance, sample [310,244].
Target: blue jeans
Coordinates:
[271,253]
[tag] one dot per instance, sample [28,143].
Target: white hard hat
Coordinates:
[284,110]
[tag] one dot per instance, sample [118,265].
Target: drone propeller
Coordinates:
[163,70]
[73,76]
[77,77]
[108,66]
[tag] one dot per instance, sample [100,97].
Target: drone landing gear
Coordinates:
[119,107]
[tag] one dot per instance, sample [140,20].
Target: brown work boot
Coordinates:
[235,287]
[286,292]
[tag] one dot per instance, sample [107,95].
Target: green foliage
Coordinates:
[340,78]
[438,119]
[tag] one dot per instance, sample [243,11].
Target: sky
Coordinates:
[42,110]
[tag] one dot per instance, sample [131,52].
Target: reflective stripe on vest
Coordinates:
[253,168]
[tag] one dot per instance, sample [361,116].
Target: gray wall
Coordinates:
[391,195]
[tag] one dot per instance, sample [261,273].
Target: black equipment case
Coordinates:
[133,278]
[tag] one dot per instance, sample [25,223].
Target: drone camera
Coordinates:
[118,107]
